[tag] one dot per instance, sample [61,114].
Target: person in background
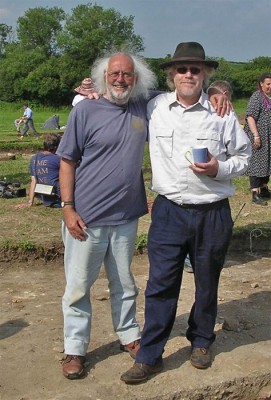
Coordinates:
[220,86]
[44,169]
[83,90]
[258,128]
[19,122]
[191,213]
[28,122]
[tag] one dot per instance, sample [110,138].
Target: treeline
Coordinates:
[51,52]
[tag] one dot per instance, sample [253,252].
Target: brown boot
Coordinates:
[73,366]
[141,372]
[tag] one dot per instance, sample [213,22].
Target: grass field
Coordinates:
[9,112]
[9,136]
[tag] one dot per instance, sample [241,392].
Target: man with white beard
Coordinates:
[103,197]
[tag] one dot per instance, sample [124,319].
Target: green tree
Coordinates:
[39,27]
[245,82]
[224,70]
[5,37]
[260,63]
[245,79]
[45,64]
[90,31]
[154,64]
[44,83]
[14,69]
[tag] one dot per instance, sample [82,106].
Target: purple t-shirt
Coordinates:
[45,167]
[107,141]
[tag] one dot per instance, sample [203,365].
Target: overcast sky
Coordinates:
[237,30]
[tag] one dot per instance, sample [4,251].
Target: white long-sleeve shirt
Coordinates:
[174,130]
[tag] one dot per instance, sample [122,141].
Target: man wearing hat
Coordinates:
[191,213]
[83,90]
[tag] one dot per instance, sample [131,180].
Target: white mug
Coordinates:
[197,154]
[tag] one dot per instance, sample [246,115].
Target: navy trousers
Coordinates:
[204,232]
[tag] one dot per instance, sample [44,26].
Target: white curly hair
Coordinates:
[146,79]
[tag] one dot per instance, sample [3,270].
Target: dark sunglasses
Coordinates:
[184,70]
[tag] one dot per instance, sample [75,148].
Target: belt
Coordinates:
[205,206]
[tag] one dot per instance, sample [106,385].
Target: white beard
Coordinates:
[119,97]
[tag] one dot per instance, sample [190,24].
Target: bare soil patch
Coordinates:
[31,342]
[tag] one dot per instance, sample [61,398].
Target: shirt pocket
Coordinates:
[212,140]
[164,142]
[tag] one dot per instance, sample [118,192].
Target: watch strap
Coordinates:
[67,203]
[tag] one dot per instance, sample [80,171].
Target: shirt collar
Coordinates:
[203,100]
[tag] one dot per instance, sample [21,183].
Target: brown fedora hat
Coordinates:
[189,52]
[85,88]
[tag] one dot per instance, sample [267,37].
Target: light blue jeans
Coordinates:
[113,246]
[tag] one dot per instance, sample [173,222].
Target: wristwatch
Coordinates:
[67,203]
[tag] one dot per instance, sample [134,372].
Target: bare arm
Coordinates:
[254,130]
[66,179]
[31,194]
[32,190]
[73,221]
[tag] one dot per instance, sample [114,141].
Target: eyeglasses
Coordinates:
[183,70]
[125,74]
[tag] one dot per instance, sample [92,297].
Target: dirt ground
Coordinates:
[31,341]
